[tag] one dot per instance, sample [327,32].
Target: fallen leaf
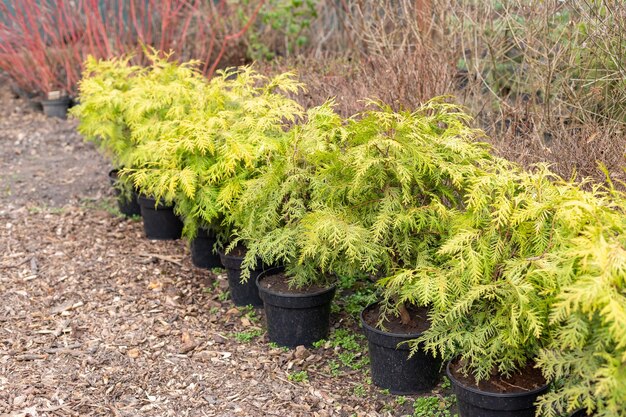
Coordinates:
[134,353]
[301,352]
[155,286]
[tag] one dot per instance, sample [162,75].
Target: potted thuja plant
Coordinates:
[407,171]
[101,116]
[492,317]
[156,107]
[256,131]
[226,129]
[280,216]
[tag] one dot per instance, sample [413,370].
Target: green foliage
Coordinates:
[198,140]
[273,211]
[274,345]
[101,112]
[364,197]
[223,295]
[103,93]
[248,336]
[280,28]
[356,302]
[408,172]
[183,139]
[587,356]
[349,348]
[433,406]
[359,390]
[353,360]
[300,376]
[490,285]
[403,170]
[334,367]
[346,339]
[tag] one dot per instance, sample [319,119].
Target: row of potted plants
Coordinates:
[512,278]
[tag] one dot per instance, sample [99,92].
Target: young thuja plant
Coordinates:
[157,103]
[103,93]
[587,355]
[274,215]
[205,138]
[406,171]
[490,293]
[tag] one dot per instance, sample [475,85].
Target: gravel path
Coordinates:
[98,321]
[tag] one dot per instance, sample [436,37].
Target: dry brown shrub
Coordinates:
[545,78]
[403,80]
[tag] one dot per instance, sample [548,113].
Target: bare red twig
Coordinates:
[234,36]
[43,43]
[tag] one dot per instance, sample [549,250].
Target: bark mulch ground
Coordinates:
[96,320]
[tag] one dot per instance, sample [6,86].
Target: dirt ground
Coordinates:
[96,320]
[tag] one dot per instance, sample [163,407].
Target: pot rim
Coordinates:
[60,100]
[147,198]
[268,271]
[226,255]
[578,412]
[382,332]
[146,201]
[492,394]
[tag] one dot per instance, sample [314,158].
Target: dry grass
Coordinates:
[545,79]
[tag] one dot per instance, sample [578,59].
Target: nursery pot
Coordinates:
[474,402]
[295,319]
[56,108]
[127,207]
[391,366]
[202,254]
[242,293]
[159,221]
[581,413]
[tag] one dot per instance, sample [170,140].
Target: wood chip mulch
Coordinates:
[97,320]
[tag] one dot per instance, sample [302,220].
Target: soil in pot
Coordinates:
[127,205]
[242,293]
[391,366]
[498,396]
[202,250]
[57,107]
[294,316]
[159,221]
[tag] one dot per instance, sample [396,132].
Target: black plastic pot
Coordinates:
[202,254]
[391,366]
[56,108]
[477,403]
[159,221]
[127,207]
[242,293]
[295,319]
